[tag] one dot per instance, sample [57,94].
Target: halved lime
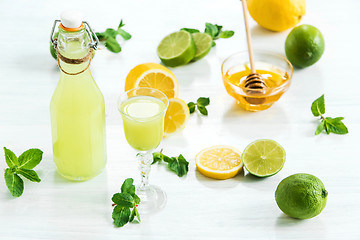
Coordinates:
[203,42]
[176,49]
[264,157]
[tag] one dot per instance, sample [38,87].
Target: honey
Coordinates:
[275,79]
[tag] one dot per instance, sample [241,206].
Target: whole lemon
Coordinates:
[276,15]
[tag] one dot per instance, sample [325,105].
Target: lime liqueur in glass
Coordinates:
[143,111]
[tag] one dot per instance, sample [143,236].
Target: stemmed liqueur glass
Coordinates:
[143,111]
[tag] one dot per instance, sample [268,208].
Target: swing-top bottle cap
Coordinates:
[71,19]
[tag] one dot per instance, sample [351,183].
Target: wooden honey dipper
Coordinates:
[254,82]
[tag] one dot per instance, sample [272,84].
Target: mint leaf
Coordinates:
[10,158]
[124,34]
[112,45]
[200,103]
[336,119]
[331,125]
[137,214]
[121,216]
[226,34]
[110,33]
[121,24]
[30,158]
[157,157]
[179,165]
[123,200]
[167,159]
[191,106]
[326,127]
[128,187]
[213,44]
[320,128]
[202,110]
[109,37]
[190,30]
[318,106]
[29,174]
[136,199]
[134,213]
[203,101]
[335,125]
[211,29]
[14,183]
[100,36]
[218,31]
[132,216]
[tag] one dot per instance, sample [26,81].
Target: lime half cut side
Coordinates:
[203,42]
[264,157]
[177,49]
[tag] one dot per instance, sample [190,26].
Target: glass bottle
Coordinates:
[77,105]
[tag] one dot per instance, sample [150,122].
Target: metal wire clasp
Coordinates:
[94,41]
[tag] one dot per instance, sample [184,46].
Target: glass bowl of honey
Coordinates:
[276,72]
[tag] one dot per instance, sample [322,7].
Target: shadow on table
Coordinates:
[252,125]
[257,30]
[249,178]
[178,140]
[198,72]
[243,177]
[219,184]
[285,221]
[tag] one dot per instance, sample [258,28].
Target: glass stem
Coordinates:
[145,159]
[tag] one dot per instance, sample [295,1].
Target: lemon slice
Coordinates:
[176,116]
[153,75]
[264,157]
[219,162]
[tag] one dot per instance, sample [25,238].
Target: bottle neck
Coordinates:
[74,52]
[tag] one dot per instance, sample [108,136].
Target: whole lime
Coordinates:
[304,46]
[52,47]
[301,196]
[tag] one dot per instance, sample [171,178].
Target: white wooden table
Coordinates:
[198,207]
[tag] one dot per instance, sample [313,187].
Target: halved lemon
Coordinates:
[153,75]
[219,162]
[176,116]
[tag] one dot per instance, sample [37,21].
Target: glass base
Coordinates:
[153,199]
[254,105]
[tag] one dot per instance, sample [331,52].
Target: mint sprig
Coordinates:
[109,37]
[334,125]
[21,166]
[123,202]
[178,165]
[214,30]
[201,104]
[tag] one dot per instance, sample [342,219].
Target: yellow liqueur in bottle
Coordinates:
[77,106]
